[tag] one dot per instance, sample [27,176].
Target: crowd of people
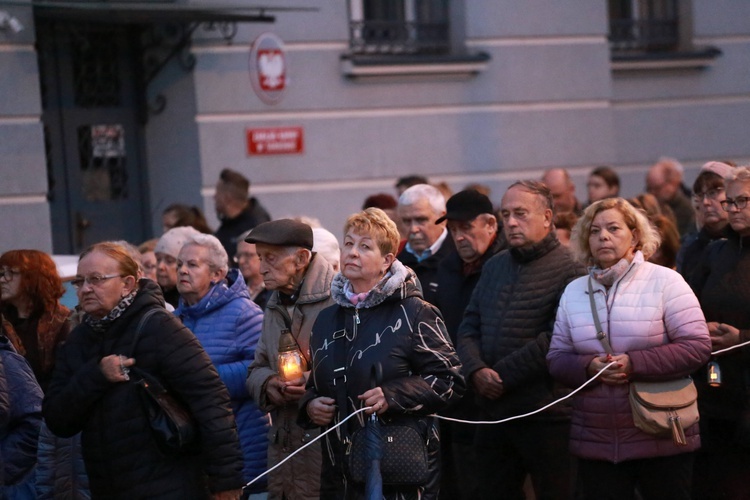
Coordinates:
[430,310]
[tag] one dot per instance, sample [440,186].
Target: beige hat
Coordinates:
[718,168]
[171,242]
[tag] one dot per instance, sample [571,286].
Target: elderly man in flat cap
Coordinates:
[301,281]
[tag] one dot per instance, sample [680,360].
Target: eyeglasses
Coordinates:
[740,202]
[711,194]
[8,273]
[95,280]
[244,255]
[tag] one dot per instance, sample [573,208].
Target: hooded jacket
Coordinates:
[121,457]
[651,315]
[398,330]
[228,325]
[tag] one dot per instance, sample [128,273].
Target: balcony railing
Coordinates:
[398,37]
[644,35]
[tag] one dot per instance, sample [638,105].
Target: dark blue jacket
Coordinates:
[228,325]
[20,418]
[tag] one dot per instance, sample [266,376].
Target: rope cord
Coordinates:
[438,416]
[476,422]
[553,403]
[308,444]
[722,351]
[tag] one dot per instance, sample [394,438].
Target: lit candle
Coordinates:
[714,374]
[290,365]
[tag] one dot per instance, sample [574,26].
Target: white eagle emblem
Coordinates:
[271,68]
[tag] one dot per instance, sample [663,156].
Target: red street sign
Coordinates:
[275,141]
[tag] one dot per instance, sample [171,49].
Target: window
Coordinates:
[655,34]
[644,25]
[399,27]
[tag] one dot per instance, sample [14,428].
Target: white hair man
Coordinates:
[427,241]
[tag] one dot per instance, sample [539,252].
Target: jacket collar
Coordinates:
[537,250]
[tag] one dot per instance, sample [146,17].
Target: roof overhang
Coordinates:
[144,12]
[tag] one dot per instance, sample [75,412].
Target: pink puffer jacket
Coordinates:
[652,315]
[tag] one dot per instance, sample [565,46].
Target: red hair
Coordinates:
[39,279]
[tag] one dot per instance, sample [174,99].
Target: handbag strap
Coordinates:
[139,329]
[599,330]
[142,373]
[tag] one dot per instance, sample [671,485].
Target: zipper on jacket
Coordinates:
[356,317]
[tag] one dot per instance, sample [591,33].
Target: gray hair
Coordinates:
[538,188]
[424,192]
[738,174]
[217,256]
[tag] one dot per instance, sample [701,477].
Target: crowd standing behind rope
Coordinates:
[89,437]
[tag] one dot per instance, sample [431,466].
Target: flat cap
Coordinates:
[282,232]
[466,205]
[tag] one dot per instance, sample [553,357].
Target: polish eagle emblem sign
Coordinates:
[268,68]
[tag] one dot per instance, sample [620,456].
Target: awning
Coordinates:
[139,12]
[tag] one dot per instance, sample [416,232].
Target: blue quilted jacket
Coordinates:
[228,325]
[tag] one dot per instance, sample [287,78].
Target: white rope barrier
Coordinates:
[438,416]
[553,403]
[475,422]
[722,351]
[308,444]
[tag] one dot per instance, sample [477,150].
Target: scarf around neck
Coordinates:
[607,277]
[102,325]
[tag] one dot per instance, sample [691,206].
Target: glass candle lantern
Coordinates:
[291,362]
[714,374]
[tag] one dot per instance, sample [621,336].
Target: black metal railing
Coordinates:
[398,37]
[647,35]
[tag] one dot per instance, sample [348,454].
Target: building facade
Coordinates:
[106,121]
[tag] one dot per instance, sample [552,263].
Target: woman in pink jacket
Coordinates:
[657,332]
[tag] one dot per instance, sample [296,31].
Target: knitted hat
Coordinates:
[282,232]
[171,242]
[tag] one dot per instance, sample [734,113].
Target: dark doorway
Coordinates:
[90,99]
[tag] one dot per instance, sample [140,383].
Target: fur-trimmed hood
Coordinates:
[398,283]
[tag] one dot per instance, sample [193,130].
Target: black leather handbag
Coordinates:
[173,427]
[404,461]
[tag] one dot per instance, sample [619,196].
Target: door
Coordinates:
[93,136]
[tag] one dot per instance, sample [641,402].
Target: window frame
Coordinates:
[655,34]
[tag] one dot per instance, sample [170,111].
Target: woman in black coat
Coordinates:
[380,320]
[91,390]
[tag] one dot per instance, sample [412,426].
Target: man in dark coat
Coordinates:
[502,342]
[237,212]
[474,230]
[419,208]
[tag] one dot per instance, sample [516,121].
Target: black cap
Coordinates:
[282,232]
[465,206]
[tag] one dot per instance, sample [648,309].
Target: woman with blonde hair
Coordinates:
[653,329]
[398,358]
